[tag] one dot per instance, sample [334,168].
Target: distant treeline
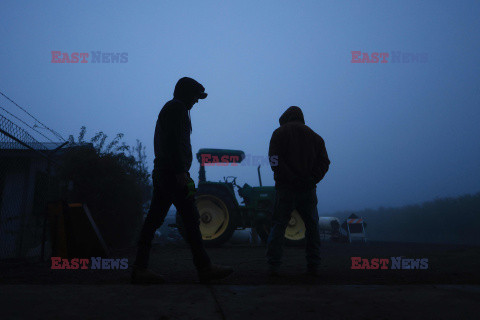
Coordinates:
[444,220]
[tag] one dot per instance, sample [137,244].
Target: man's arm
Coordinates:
[279,165]
[175,122]
[274,151]
[322,162]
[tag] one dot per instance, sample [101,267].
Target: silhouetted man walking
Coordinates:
[302,162]
[172,184]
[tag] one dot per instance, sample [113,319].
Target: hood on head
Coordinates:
[293,113]
[188,89]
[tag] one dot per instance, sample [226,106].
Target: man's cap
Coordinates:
[189,87]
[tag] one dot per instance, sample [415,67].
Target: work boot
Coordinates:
[214,272]
[144,276]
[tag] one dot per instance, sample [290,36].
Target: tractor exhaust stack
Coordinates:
[259,176]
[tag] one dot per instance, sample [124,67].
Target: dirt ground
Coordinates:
[449,288]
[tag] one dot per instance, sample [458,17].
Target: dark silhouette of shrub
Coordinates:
[112,180]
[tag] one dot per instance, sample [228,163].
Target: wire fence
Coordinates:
[27,181]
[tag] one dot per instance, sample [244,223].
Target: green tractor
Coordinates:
[220,212]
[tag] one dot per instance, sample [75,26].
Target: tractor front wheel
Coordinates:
[294,233]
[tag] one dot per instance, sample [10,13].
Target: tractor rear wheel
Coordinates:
[218,215]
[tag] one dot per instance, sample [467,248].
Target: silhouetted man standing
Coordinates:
[172,184]
[302,162]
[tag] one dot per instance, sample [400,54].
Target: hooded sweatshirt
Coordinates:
[301,157]
[173,150]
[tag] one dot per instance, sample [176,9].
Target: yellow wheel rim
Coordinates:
[214,216]
[296,227]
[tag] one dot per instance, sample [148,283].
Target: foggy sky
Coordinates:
[396,133]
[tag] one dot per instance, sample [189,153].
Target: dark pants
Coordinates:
[305,201]
[164,195]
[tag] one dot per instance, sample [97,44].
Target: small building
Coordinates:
[24,190]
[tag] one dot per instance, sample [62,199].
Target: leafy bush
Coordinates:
[112,180]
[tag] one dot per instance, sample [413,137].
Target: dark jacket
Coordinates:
[299,154]
[173,150]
